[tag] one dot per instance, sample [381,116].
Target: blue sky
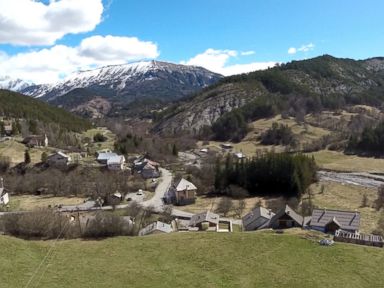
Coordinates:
[225,36]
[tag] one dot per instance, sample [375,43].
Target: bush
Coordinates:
[106,225]
[225,205]
[41,224]
[278,135]
[98,137]
[5,163]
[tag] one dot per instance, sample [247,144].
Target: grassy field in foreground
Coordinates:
[192,260]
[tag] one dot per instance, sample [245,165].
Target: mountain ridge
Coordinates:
[297,87]
[123,84]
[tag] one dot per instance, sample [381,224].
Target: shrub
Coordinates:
[106,225]
[5,163]
[98,137]
[278,135]
[41,224]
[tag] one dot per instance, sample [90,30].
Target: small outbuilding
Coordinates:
[156,228]
[59,159]
[205,221]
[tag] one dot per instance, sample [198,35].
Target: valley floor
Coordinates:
[258,259]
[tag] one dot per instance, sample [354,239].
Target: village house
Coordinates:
[147,168]
[150,170]
[116,163]
[206,221]
[258,218]
[156,228]
[1,186]
[183,193]
[329,221]
[4,197]
[226,146]
[288,218]
[36,141]
[7,127]
[103,157]
[59,159]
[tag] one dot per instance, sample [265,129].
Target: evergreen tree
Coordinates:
[27,157]
[175,152]
[2,129]
[44,157]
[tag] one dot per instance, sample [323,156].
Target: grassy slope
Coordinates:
[340,162]
[192,260]
[15,150]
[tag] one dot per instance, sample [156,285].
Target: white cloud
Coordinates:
[216,60]
[303,48]
[306,48]
[247,53]
[292,50]
[50,64]
[29,22]
[111,48]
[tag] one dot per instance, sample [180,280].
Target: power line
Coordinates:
[45,257]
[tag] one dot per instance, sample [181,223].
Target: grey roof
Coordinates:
[289,211]
[204,217]
[118,159]
[156,226]
[105,156]
[252,217]
[347,220]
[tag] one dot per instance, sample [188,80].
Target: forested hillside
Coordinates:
[16,105]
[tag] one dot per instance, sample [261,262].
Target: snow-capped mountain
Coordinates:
[16,85]
[129,82]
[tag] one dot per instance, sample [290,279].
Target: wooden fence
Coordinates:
[358,238]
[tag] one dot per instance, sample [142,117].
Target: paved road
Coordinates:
[163,185]
[358,179]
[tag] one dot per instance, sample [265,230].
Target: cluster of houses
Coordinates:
[324,220]
[205,221]
[344,225]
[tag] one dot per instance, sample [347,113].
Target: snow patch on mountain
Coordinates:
[119,78]
[9,83]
